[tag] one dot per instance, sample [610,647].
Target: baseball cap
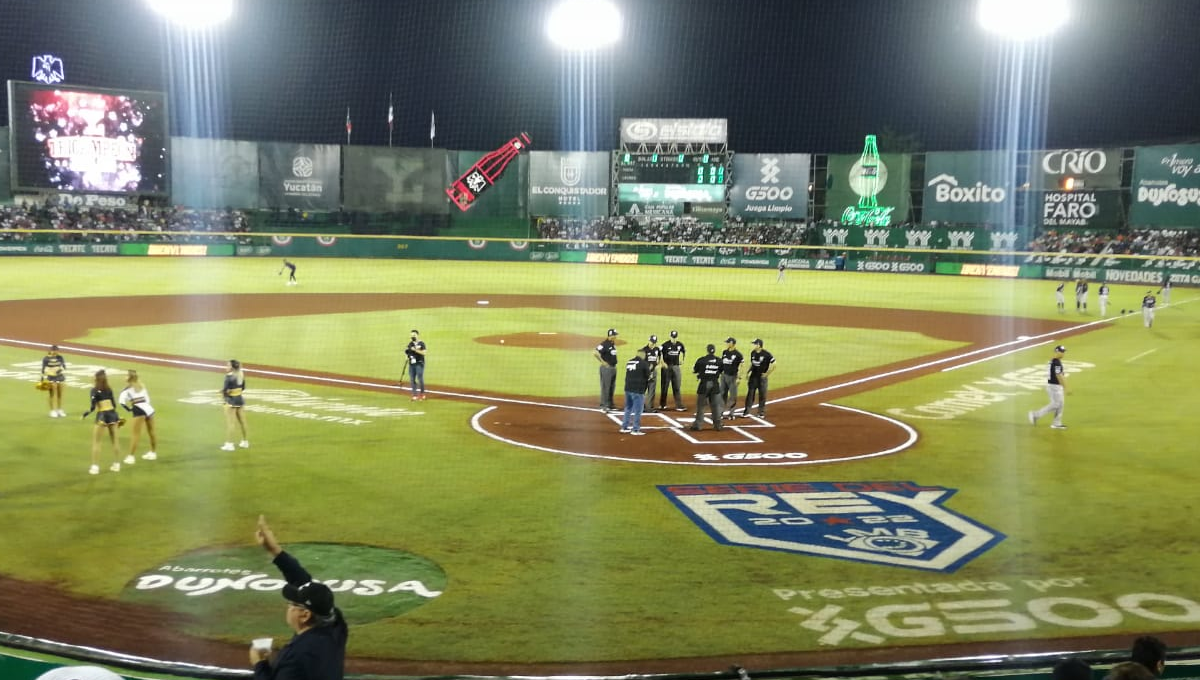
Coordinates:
[313,596]
[731,339]
[711,348]
[612,332]
[674,334]
[415,331]
[653,338]
[1060,348]
[757,341]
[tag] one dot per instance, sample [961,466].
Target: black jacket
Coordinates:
[316,654]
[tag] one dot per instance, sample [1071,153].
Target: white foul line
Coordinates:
[1149,351]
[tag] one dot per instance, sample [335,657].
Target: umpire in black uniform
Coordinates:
[673,353]
[708,391]
[606,354]
[731,368]
[653,355]
[761,365]
[318,649]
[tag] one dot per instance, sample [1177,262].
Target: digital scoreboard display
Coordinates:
[79,139]
[676,168]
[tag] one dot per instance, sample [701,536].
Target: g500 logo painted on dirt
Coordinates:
[901,524]
[239,584]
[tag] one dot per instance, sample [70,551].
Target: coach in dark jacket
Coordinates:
[317,651]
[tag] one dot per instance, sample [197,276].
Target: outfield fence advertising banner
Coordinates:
[1166,187]
[1081,209]
[568,184]
[773,186]
[214,173]
[506,198]
[846,187]
[1089,168]
[300,176]
[5,167]
[972,187]
[920,238]
[379,179]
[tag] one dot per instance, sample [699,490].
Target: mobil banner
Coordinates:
[300,176]
[1081,209]
[381,179]
[971,187]
[568,184]
[5,188]
[771,185]
[214,173]
[506,198]
[885,186]
[1166,186]
[1080,168]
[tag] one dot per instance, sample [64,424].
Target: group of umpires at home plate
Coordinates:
[717,380]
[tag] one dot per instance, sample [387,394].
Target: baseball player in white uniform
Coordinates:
[1148,303]
[1165,292]
[1060,297]
[1103,299]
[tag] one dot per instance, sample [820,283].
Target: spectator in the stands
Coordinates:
[1129,670]
[1072,669]
[1150,652]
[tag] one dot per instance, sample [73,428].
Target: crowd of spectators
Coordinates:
[108,225]
[1164,242]
[669,230]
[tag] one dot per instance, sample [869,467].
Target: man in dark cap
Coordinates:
[708,391]
[1056,385]
[762,363]
[731,374]
[606,354]
[673,355]
[318,648]
[653,354]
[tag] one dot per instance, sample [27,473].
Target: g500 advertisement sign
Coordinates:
[1166,186]
[770,185]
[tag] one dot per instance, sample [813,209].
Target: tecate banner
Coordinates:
[1090,168]
[674,130]
[565,184]
[300,176]
[1166,187]
[770,185]
[970,187]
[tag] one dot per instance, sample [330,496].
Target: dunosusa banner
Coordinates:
[1166,187]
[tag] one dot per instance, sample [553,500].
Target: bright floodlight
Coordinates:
[583,25]
[194,13]
[1023,19]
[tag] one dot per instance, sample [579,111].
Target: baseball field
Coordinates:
[895,503]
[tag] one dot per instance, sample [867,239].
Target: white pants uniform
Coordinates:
[1060,298]
[1055,406]
[1166,296]
[1147,316]
[1103,305]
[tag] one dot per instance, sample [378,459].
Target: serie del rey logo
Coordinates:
[900,524]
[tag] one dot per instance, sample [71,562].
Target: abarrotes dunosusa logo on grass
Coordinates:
[901,524]
[241,585]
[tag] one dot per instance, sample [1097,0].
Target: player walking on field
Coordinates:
[1165,292]
[673,356]
[107,420]
[708,390]
[1060,296]
[235,403]
[415,351]
[1103,299]
[637,374]
[1148,304]
[54,368]
[135,398]
[653,354]
[606,354]
[1081,291]
[762,363]
[1056,386]
[731,367]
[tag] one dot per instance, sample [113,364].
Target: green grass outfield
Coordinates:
[545,558]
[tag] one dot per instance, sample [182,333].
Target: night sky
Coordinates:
[790,75]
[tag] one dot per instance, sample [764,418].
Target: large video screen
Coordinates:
[86,140]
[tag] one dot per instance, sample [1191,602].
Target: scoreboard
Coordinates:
[674,168]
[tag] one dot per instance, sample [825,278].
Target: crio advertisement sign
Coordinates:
[1088,168]
[88,140]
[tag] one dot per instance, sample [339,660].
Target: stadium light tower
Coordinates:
[584,25]
[194,14]
[1022,20]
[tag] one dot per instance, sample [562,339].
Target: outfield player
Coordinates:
[54,372]
[291,272]
[731,368]
[415,351]
[1103,299]
[235,405]
[1165,292]
[708,390]
[1081,291]
[606,354]
[1060,296]
[673,356]
[653,354]
[782,269]
[107,420]
[1148,304]
[135,398]
[762,363]
[1056,385]
[637,374]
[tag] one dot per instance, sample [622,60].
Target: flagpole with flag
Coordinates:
[391,117]
[348,126]
[432,128]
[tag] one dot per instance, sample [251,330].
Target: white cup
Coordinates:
[262,644]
